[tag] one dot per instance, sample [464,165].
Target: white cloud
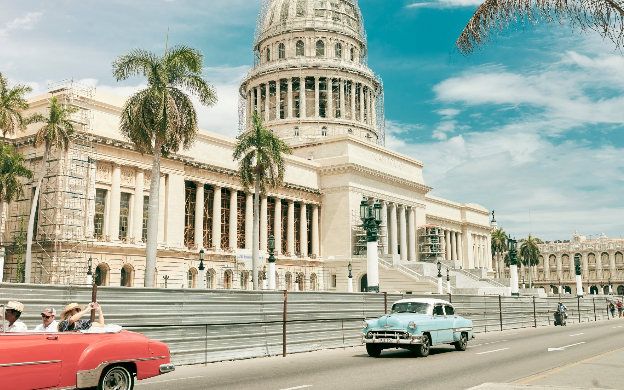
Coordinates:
[446,4]
[26,23]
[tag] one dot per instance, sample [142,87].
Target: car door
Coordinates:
[30,360]
[438,331]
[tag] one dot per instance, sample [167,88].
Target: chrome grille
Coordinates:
[388,334]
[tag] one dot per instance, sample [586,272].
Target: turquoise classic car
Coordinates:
[416,324]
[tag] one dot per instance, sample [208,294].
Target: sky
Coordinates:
[531,126]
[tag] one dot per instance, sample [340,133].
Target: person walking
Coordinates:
[12,312]
[49,322]
[71,317]
[612,309]
[619,307]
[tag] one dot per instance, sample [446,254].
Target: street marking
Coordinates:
[562,348]
[298,387]
[170,380]
[617,326]
[578,334]
[496,350]
[522,382]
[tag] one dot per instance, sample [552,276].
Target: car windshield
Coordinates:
[410,307]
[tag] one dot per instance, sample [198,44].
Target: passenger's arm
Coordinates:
[100,323]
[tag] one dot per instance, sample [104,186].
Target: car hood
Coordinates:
[399,320]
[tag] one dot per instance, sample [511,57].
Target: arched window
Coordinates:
[268,57]
[277,280]
[296,132]
[301,282]
[352,54]
[282,51]
[210,279]
[288,279]
[300,49]
[244,280]
[620,290]
[364,283]
[192,278]
[313,282]
[320,48]
[127,276]
[101,275]
[324,132]
[338,50]
[227,279]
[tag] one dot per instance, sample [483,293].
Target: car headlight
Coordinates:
[412,325]
[364,324]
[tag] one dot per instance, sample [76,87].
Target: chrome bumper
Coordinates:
[165,368]
[411,341]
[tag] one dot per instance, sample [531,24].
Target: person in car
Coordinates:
[48,319]
[12,312]
[71,318]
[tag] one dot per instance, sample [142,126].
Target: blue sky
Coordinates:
[530,127]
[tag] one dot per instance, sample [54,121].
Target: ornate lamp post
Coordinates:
[371,219]
[610,287]
[89,272]
[579,282]
[440,277]
[264,278]
[559,286]
[602,287]
[552,288]
[448,282]
[513,265]
[202,274]
[297,282]
[271,245]
[350,281]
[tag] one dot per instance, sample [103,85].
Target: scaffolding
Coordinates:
[63,231]
[430,245]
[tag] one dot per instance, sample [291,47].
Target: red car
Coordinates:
[71,360]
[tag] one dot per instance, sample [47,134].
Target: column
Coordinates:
[290,99]
[233,233]
[249,105]
[393,229]
[453,246]
[139,181]
[460,250]
[216,219]
[302,98]
[255,100]
[264,223]
[559,267]
[113,218]
[373,110]
[572,267]
[361,103]
[315,230]
[403,233]
[278,99]
[174,226]
[329,113]
[317,105]
[162,203]
[342,100]
[599,267]
[612,265]
[303,230]
[291,228]
[248,221]
[447,242]
[353,85]
[546,267]
[199,216]
[411,235]
[266,102]
[384,224]
[585,267]
[277,226]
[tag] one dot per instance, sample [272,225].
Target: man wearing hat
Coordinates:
[13,310]
[48,317]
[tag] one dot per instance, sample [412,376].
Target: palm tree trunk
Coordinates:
[1,231]
[31,220]
[255,245]
[151,246]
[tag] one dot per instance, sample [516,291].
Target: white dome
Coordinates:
[339,16]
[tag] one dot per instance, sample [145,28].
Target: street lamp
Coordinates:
[371,219]
[579,282]
[271,245]
[552,288]
[202,275]
[89,272]
[602,287]
[512,245]
[439,277]
[523,285]
[297,282]
[448,282]
[350,282]
[264,277]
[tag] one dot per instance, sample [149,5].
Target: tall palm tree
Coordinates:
[161,118]
[499,246]
[494,16]
[529,253]
[261,164]
[12,103]
[12,168]
[54,134]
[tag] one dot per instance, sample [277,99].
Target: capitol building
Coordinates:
[311,85]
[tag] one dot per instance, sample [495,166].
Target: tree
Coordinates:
[530,253]
[54,134]
[12,168]
[494,16]
[12,103]
[499,246]
[261,164]
[161,118]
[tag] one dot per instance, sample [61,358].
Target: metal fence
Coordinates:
[213,325]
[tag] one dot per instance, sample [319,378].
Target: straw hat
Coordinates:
[14,305]
[71,307]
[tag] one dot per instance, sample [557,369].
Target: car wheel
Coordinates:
[373,350]
[116,378]
[462,343]
[422,350]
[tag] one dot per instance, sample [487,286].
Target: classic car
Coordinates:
[417,324]
[100,357]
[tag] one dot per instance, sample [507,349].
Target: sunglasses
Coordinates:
[45,316]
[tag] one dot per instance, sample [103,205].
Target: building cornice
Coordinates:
[382,176]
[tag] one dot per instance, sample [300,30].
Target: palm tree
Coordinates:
[161,118]
[12,168]
[54,134]
[12,104]
[261,163]
[529,253]
[499,246]
[494,16]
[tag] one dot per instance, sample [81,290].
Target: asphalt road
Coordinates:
[587,355]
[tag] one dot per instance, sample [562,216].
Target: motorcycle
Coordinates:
[560,318]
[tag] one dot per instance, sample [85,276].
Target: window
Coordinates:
[449,310]
[127,276]
[300,49]
[100,208]
[268,55]
[319,8]
[338,50]
[145,214]
[101,275]
[282,51]
[124,212]
[352,54]
[334,281]
[210,279]
[324,132]
[438,310]
[284,13]
[301,8]
[296,132]
[192,278]
[320,48]
[227,279]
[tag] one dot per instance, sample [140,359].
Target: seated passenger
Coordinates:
[12,312]
[48,319]
[71,317]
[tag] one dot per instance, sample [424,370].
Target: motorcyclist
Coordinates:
[562,309]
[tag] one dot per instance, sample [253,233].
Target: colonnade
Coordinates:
[399,230]
[481,251]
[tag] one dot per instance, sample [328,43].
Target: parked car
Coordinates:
[417,324]
[80,359]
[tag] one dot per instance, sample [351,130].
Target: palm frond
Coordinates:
[137,62]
